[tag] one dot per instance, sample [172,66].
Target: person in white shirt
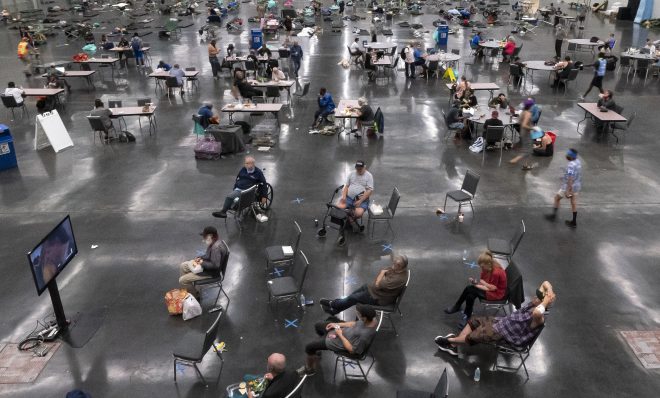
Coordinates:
[17,93]
[355,49]
[179,74]
[410,61]
[356,193]
[650,46]
[278,74]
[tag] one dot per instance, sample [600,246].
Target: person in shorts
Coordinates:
[356,192]
[600,67]
[571,185]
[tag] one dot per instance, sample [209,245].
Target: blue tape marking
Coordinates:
[387,247]
[288,323]
[298,200]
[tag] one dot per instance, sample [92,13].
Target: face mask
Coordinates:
[207,241]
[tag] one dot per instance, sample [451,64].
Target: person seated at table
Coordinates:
[280,380]
[180,75]
[605,102]
[611,41]
[419,59]
[562,70]
[474,44]
[517,329]
[277,75]
[463,85]
[59,75]
[455,119]
[104,115]
[206,115]
[248,176]
[264,50]
[210,262]
[355,50]
[17,93]
[326,107]
[509,49]
[384,290]
[230,50]
[650,47]
[493,121]
[123,43]
[105,43]
[364,113]
[163,66]
[491,285]
[469,100]
[499,102]
[244,88]
[543,145]
[369,66]
[341,337]
[53,82]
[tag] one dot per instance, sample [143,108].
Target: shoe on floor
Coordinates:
[571,224]
[527,167]
[304,371]
[581,98]
[219,214]
[443,340]
[452,310]
[341,241]
[439,211]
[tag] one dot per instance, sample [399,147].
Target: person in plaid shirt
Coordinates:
[517,328]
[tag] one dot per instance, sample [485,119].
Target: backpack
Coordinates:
[208,148]
[402,54]
[478,145]
[129,136]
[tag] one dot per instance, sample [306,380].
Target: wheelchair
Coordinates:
[338,219]
[269,197]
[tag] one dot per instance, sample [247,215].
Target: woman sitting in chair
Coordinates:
[491,286]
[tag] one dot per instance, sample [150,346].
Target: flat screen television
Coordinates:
[52,254]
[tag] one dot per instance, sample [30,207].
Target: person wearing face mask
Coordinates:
[210,262]
[247,177]
[517,329]
[280,380]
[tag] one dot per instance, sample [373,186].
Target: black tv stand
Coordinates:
[60,318]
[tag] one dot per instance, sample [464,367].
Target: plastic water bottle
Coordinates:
[477,374]
[302,300]
[464,255]
[460,217]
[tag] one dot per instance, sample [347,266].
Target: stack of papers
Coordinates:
[287,250]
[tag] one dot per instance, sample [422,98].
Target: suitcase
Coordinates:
[208,148]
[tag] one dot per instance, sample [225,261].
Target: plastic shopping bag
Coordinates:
[191,307]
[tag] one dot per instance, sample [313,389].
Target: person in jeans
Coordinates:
[296,57]
[213,58]
[344,337]
[571,185]
[136,45]
[382,291]
[491,286]
[326,106]
[247,177]
[517,329]
[210,262]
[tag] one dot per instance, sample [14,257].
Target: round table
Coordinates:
[482,114]
[380,45]
[531,66]
[492,44]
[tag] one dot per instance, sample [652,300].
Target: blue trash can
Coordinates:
[256,38]
[443,35]
[7,153]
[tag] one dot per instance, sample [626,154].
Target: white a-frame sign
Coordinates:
[50,131]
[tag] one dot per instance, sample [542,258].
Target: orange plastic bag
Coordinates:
[174,301]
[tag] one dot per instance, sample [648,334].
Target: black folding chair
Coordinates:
[466,193]
[217,281]
[441,390]
[193,347]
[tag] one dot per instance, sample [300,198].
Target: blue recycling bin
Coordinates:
[7,153]
[256,38]
[443,35]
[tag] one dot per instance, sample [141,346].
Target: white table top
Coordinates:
[491,44]
[385,60]
[270,83]
[446,57]
[538,65]
[380,45]
[639,56]
[480,86]
[343,111]
[252,108]
[586,42]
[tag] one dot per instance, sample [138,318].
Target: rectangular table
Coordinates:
[490,87]
[592,111]
[344,112]
[163,75]
[120,113]
[230,109]
[285,84]
[101,61]
[44,92]
[121,50]
[85,74]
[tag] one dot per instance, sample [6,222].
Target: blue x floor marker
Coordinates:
[298,200]
[180,368]
[443,217]
[288,323]
[471,264]
[387,247]
[278,272]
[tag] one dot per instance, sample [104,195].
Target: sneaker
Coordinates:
[341,241]
[527,167]
[325,302]
[219,214]
[439,211]
[571,224]
[452,310]
[303,370]
[443,340]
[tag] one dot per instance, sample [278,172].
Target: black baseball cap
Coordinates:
[359,164]
[209,231]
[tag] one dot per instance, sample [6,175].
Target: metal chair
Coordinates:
[193,80]
[517,72]
[114,103]
[642,64]
[245,202]
[99,127]
[572,48]
[507,248]
[353,360]
[450,130]
[622,127]
[10,103]
[250,66]
[441,390]
[522,352]
[305,90]
[388,310]
[572,76]
[217,281]
[143,101]
[289,287]
[466,193]
[171,82]
[193,348]
[387,215]
[275,254]
[273,92]
[433,68]
[394,66]
[513,282]
[353,57]
[625,62]
[493,134]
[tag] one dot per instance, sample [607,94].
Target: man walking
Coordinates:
[600,67]
[571,185]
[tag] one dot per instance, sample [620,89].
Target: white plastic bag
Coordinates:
[191,307]
[478,145]
[376,209]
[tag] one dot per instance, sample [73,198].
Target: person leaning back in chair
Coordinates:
[517,329]
[249,176]
[356,192]
[210,262]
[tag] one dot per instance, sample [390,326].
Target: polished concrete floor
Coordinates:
[144,204]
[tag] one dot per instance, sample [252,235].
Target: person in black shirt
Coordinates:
[364,113]
[245,88]
[247,177]
[264,50]
[281,381]
[493,121]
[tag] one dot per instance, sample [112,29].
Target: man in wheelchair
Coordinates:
[356,193]
[247,177]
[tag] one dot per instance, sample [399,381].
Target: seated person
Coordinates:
[230,50]
[326,107]
[263,50]
[517,329]
[463,85]
[455,119]
[517,79]
[562,70]
[491,285]
[210,262]
[499,102]
[245,89]
[606,100]
[342,337]
[543,145]
[104,114]
[180,75]
[123,43]
[364,114]
[206,115]
[164,66]
[280,380]
[17,93]
[53,82]
[493,121]
[650,47]
[382,291]
[509,49]
[474,44]
[356,192]
[355,50]
[59,75]
[469,100]
[369,66]
[419,58]
[277,75]
[249,176]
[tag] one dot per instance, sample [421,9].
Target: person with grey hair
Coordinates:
[180,75]
[247,177]
[364,114]
[280,380]
[382,291]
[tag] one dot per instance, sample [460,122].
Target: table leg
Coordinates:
[586,114]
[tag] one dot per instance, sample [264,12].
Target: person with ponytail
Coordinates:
[491,285]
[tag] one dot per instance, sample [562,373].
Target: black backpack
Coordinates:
[402,54]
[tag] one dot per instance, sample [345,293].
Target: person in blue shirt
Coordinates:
[164,66]
[249,176]
[599,72]
[535,110]
[571,185]
[419,58]
[296,57]
[326,106]
[474,43]
[206,114]
[179,74]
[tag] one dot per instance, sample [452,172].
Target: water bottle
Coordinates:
[464,255]
[460,217]
[302,300]
[477,374]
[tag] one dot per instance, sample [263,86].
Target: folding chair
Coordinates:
[493,134]
[572,76]
[10,103]
[100,128]
[513,281]
[354,360]
[622,127]
[171,83]
[441,390]
[387,215]
[192,349]
[275,255]
[466,193]
[388,310]
[289,287]
[305,90]
[450,131]
[521,352]
[507,248]
[217,281]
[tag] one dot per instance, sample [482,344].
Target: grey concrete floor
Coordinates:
[144,203]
